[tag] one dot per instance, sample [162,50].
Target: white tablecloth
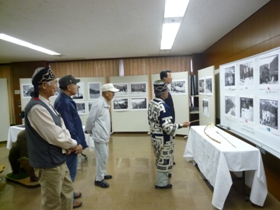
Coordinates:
[12,134]
[216,161]
[15,130]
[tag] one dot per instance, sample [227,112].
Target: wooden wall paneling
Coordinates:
[22,70]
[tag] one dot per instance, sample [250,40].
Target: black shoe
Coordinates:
[168,186]
[169,175]
[108,177]
[174,163]
[101,184]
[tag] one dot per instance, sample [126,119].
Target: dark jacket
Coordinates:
[41,153]
[169,102]
[66,107]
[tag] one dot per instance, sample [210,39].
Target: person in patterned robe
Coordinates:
[162,131]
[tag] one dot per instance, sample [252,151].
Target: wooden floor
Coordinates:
[131,162]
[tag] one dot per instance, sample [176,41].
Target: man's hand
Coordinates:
[78,149]
[185,124]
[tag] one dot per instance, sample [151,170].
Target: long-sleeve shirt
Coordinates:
[98,122]
[42,122]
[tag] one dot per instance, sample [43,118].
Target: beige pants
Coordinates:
[56,188]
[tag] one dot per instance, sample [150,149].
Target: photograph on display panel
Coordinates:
[26,90]
[268,113]
[246,108]
[80,91]
[94,90]
[123,87]
[205,107]
[246,73]
[229,76]
[178,87]
[138,103]
[201,86]
[120,104]
[81,107]
[268,67]
[209,86]
[138,88]
[230,105]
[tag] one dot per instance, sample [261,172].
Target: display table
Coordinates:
[215,162]
[12,134]
[15,130]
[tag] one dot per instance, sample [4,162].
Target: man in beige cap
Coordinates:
[99,125]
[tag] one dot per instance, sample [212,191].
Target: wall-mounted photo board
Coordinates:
[250,105]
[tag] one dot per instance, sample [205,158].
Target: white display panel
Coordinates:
[88,91]
[250,108]
[5,120]
[129,113]
[207,108]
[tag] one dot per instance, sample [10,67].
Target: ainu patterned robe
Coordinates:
[162,132]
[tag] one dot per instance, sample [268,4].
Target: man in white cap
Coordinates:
[99,125]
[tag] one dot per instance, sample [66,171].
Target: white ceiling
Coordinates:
[95,29]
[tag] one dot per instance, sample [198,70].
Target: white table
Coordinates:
[215,161]
[12,134]
[15,130]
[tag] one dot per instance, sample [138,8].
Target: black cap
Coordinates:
[67,80]
[160,86]
[42,74]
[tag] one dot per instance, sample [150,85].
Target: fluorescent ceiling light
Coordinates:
[26,44]
[169,32]
[175,8]
[173,15]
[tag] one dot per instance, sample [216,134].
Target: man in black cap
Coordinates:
[162,130]
[48,142]
[166,76]
[66,107]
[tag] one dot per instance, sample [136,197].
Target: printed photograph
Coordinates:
[201,86]
[138,103]
[178,87]
[230,105]
[94,90]
[205,107]
[230,76]
[81,107]
[123,87]
[247,108]
[120,104]
[81,91]
[208,86]
[269,113]
[26,90]
[268,67]
[138,88]
[246,73]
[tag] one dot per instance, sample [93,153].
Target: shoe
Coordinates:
[174,163]
[168,186]
[77,204]
[108,177]
[101,184]
[77,195]
[169,175]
